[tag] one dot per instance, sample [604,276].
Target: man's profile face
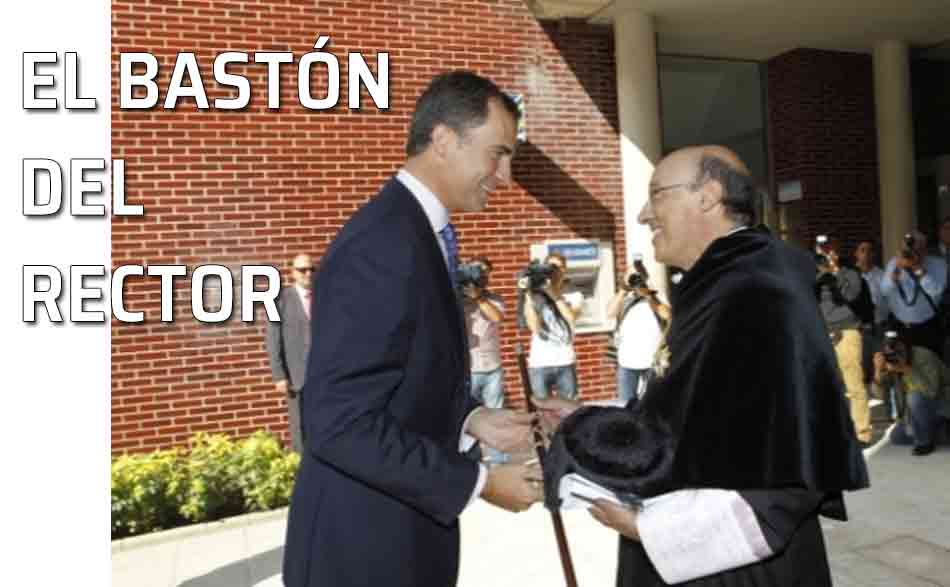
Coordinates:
[479,161]
[673,210]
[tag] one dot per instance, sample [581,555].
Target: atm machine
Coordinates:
[590,270]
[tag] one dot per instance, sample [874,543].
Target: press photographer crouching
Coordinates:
[483,312]
[549,314]
[919,379]
[641,319]
[845,303]
[913,284]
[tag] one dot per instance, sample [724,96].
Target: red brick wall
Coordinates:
[257,186]
[822,132]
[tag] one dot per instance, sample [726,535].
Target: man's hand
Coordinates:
[514,487]
[620,518]
[283,387]
[502,429]
[553,410]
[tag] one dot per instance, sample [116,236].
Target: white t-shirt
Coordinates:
[640,336]
[558,349]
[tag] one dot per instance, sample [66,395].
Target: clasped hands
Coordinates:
[515,486]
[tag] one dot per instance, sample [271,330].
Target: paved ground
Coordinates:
[899,535]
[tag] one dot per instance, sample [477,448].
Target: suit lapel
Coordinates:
[436,260]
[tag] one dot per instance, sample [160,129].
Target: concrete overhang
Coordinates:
[761,29]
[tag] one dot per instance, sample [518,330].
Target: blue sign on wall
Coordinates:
[576,251]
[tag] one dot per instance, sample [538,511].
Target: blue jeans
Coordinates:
[627,382]
[488,389]
[563,378]
[923,418]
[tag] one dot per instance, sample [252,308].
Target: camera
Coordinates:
[636,281]
[471,274]
[822,251]
[639,277]
[909,251]
[893,349]
[536,275]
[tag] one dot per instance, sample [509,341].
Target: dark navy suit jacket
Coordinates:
[381,482]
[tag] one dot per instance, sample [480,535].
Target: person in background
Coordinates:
[919,378]
[838,288]
[288,344]
[866,258]
[484,311]
[641,318]
[913,284]
[550,315]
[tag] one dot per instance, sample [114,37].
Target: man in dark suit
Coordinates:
[288,343]
[383,477]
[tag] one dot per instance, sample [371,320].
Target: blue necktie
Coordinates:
[451,250]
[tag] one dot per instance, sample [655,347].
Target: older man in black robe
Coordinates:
[761,439]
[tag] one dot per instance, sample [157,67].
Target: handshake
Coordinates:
[517,485]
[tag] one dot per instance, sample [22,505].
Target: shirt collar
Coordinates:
[437,214]
[737,229]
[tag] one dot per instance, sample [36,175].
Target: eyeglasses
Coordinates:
[304,269]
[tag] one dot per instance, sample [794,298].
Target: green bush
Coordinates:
[147,491]
[214,479]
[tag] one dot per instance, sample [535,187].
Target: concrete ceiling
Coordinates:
[761,29]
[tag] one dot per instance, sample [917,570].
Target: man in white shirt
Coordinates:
[384,477]
[640,316]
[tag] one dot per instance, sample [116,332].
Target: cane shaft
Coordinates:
[562,547]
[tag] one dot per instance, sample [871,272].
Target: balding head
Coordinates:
[697,195]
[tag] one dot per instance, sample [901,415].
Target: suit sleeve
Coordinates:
[367,321]
[275,347]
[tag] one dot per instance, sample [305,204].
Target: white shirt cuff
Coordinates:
[480,484]
[698,532]
[466,440]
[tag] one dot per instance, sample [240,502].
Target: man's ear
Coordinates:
[443,138]
[711,195]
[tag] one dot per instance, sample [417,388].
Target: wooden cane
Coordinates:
[562,547]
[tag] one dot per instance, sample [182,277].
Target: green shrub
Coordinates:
[147,492]
[265,473]
[212,471]
[214,479]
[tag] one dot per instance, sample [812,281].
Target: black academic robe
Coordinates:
[755,403]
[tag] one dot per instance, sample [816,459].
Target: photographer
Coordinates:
[550,316]
[838,289]
[918,376]
[913,284]
[483,312]
[641,319]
